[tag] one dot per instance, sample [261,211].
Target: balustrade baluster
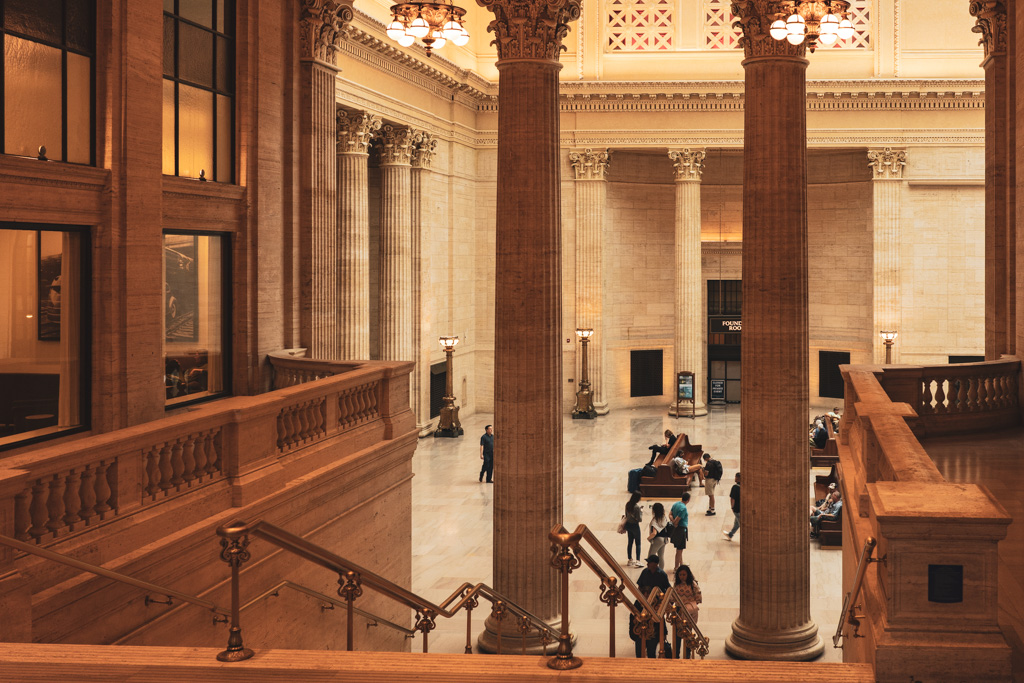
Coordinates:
[188,460]
[984,391]
[72,499]
[40,514]
[166,471]
[1001,388]
[972,394]
[961,395]
[88,494]
[213,463]
[23,515]
[321,417]
[363,404]
[103,493]
[177,466]
[344,409]
[940,396]
[55,505]
[302,413]
[199,453]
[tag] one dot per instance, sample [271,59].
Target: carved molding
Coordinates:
[689,164]
[590,165]
[990,17]
[423,147]
[322,26]
[753,19]
[887,163]
[528,29]
[355,131]
[394,145]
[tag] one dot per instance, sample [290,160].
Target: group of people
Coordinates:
[818,434]
[827,509]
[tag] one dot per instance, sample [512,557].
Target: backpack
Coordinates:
[714,469]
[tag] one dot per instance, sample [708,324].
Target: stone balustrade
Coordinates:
[291,367]
[933,598]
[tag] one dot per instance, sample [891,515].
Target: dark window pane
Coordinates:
[199,11]
[81,25]
[37,18]
[195,55]
[168,46]
[227,22]
[225,65]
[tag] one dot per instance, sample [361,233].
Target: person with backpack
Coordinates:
[658,533]
[712,475]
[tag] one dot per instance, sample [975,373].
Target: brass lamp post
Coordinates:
[449,424]
[584,409]
[888,337]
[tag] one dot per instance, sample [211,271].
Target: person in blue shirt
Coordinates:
[680,521]
[830,513]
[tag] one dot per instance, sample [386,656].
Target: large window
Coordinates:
[195,316]
[199,89]
[43,331]
[47,87]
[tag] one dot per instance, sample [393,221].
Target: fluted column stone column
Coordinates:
[355,130]
[395,144]
[1000,231]
[689,299]
[321,27]
[775,618]
[887,172]
[528,306]
[591,169]
[422,312]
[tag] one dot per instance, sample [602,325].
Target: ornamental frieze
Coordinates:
[753,19]
[887,163]
[689,164]
[990,16]
[355,130]
[590,165]
[322,26]
[527,29]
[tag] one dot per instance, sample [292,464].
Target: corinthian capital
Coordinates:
[689,164]
[395,145]
[530,29]
[887,164]
[590,165]
[754,18]
[355,128]
[322,25]
[423,146]
[991,24]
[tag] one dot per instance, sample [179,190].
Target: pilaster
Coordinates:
[887,174]
[395,145]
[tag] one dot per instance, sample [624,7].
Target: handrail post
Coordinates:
[525,627]
[471,604]
[498,611]
[611,595]
[234,551]
[565,560]
[350,589]
[848,603]
[425,623]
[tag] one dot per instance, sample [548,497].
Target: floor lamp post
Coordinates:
[449,424]
[888,337]
[584,409]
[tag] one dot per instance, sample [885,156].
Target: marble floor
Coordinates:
[452,524]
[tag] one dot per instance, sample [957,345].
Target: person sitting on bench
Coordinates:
[831,513]
[670,439]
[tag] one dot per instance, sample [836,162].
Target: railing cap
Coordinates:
[895,504]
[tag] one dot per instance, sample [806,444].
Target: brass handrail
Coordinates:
[847,615]
[117,576]
[351,578]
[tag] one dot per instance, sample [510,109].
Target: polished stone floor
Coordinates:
[452,524]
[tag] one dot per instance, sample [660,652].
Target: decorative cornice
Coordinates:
[887,163]
[394,145]
[528,29]
[355,130]
[322,25]
[590,165]
[689,164]
[990,16]
[753,19]
[423,147]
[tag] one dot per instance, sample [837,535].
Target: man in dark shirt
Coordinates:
[652,576]
[734,500]
[487,454]
[819,437]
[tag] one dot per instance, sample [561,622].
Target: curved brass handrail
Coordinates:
[847,615]
[117,576]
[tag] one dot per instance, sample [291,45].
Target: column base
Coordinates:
[452,432]
[584,414]
[698,411]
[601,408]
[426,429]
[800,644]
[512,639]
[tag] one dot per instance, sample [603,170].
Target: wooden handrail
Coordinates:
[849,606]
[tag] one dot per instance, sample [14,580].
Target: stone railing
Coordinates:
[937,579]
[65,489]
[291,367]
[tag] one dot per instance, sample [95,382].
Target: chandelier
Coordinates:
[813,21]
[433,23]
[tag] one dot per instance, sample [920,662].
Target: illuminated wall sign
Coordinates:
[724,325]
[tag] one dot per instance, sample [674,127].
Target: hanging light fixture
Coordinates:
[432,23]
[813,22]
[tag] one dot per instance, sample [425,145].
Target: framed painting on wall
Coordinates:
[181,288]
[49,250]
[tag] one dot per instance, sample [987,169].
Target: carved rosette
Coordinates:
[590,165]
[394,145]
[754,18]
[423,147]
[689,164]
[355,131]
[322,26]
[530,29]
[990,16]
[887,164]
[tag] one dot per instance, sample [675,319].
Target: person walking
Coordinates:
[487,454]
[734,501]
[658,532]
[688,591]
[634,514]
[680,518]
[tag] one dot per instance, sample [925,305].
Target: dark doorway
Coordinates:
[830,380]
[646,368]
[438,381]
[725,329]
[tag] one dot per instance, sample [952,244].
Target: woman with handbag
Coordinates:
[634,514]
[658,533]
[688,591]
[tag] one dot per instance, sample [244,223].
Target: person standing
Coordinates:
[688,592]
[734,500]
[487,454]
[680,518]
[634,513]
[658,532]
[712,475]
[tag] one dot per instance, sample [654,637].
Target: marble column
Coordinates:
[887,186]
[1000,238]
[775,619]
[422,311]
[355,130]
[591,170]
[321,25]
[689,299]
[528,305]
[395,145]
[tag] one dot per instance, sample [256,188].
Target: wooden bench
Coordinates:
[831,533]
[666,483]
[829,455]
